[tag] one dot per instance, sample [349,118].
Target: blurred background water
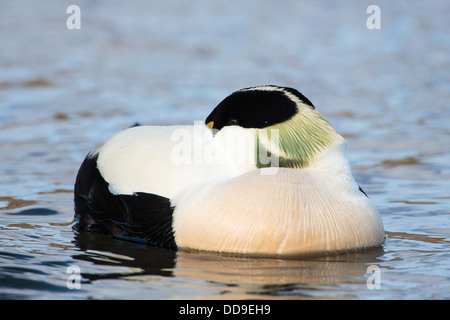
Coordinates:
[64,92]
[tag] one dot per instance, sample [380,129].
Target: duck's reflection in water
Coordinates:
[243,275]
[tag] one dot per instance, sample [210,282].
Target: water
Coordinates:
[64,92]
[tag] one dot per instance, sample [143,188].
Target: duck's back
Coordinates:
[125,188]
[160,160]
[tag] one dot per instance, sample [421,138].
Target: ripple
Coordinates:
[34,212]
[14,203]
[407,161]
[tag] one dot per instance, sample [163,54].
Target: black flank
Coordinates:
[139,217]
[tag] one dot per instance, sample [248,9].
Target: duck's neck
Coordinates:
[333,160]
[300,142]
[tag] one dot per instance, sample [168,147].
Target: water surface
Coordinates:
[64,92]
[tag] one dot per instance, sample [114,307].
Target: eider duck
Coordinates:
[265,174]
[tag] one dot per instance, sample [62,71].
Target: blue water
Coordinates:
[64,92]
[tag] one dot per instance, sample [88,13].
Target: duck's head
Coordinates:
[281,115]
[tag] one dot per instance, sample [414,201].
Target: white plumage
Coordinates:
[291,212]
[220,195]
[164,160]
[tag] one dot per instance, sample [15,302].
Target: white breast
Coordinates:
[291,212]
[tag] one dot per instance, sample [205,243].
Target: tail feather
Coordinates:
[139,217]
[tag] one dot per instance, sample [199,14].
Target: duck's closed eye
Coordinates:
[233,122]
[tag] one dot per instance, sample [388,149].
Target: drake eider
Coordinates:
[265,174]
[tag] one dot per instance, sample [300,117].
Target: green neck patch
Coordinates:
[296,142]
